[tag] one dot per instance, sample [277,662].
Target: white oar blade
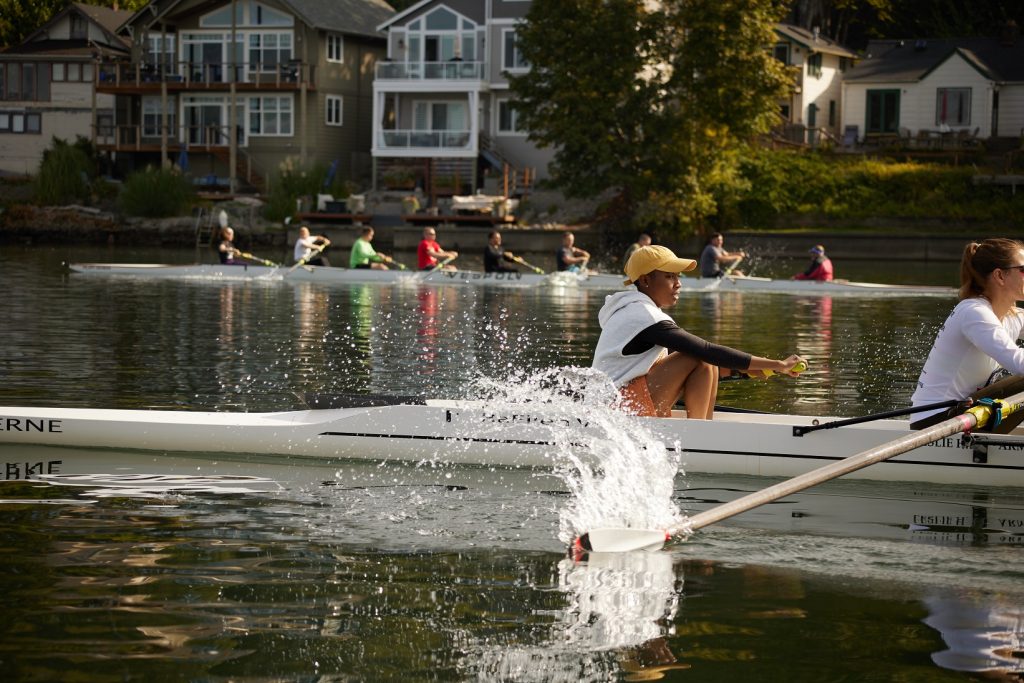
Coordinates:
[613,540]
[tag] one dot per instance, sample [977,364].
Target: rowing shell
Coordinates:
[460,432]
[598,281]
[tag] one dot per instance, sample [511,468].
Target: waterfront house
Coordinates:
[814,106]
[923,90]
[46,84]
[236,90]
[443,116]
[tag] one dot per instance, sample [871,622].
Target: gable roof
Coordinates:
[812,42]
[353,17]
[108,20]
[903,61]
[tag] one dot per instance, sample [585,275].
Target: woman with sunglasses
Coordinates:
[977,345]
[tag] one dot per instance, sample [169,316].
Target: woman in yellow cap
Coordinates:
[651,360]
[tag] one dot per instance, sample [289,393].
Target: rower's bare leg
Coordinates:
[682,376]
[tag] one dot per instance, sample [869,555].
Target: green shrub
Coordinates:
[66,172]
[156,193]
[292,183]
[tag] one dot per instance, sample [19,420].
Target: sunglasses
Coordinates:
[1017,268]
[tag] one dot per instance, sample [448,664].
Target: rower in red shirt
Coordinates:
[820,267]
[429,254]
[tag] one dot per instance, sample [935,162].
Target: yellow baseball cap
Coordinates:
[649,259]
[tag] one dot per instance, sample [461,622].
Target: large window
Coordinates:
[79,28]
[267,51]
[508,118]
[270,116]
[512,59]
[781,52]
[333,117]
[447,116]
[152,117]
[25,82]
[953,107]
[441,36]
[883,115]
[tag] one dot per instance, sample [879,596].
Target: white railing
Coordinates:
[455,70]
[424,139]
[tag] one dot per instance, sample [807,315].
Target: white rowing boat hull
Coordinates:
[599,281]
[452,432]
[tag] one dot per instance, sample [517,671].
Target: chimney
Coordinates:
[1009,34]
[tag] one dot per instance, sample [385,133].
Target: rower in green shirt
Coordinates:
[364,255]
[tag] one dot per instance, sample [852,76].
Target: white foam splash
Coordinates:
[617,472]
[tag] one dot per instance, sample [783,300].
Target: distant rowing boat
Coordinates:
[512,435]
[598,281]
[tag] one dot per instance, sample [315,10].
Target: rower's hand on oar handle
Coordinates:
[794,365]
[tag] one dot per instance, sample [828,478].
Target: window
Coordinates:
[13,82]
[74,72]
[160,50]
[447,116]
[512,59]
[79,29]
[21,123]
[883,111]
[334,110]
[58,72]
[508,118]
[814,65]
[784,112]
[831,113]
[267,51]
[781,52]
[105,125]
[152,117]
[270,116]
[953,107]
[335,48]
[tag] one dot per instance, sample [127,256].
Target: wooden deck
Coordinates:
[457,219]
[340,218]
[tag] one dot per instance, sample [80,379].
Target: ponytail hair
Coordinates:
[980,259]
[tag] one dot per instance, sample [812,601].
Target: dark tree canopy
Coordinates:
[652,104]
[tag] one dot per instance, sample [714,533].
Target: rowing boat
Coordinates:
[596,281]
[512,435]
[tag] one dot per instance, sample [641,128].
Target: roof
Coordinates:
[357,17]
[906,61]
[109,20]
[812,41]
[353,17]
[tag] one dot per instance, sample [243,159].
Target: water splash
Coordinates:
[617,472]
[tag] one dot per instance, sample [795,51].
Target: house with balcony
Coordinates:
[443,115]
[813,109]
[235,90]
[46,84]
[937,93]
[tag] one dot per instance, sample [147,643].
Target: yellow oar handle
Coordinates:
[798,368]
[984,412]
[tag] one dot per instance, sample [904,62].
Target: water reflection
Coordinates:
[986,637]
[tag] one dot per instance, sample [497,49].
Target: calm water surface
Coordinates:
[171,568]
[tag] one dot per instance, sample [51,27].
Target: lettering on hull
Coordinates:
[468,276]
[29,470]
[41,425]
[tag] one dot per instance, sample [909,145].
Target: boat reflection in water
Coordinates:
[616,614]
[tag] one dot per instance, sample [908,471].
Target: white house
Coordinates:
[913,87]
[46,84]
[443,115]
[815,103]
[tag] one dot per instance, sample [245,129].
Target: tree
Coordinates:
[651,102]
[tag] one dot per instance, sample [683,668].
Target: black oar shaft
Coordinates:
[800,431]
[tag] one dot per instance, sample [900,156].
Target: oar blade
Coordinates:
[622,540]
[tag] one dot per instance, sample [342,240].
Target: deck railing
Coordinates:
[425,139]
[192,75]
[454,70]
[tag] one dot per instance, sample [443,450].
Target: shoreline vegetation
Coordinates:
[775,191]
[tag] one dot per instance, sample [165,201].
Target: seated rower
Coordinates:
[651,360]
[495,256]
[226,251]
[309,249]
[976,347]
[820,267]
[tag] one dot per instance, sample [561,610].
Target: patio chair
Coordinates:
[850,137]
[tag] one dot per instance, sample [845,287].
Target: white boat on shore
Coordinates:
[508,435]
[594,281]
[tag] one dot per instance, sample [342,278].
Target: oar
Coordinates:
[393,262]
[625,539]
[423,274]
[521,261]
[257,259]
[313,253]
[732,266]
